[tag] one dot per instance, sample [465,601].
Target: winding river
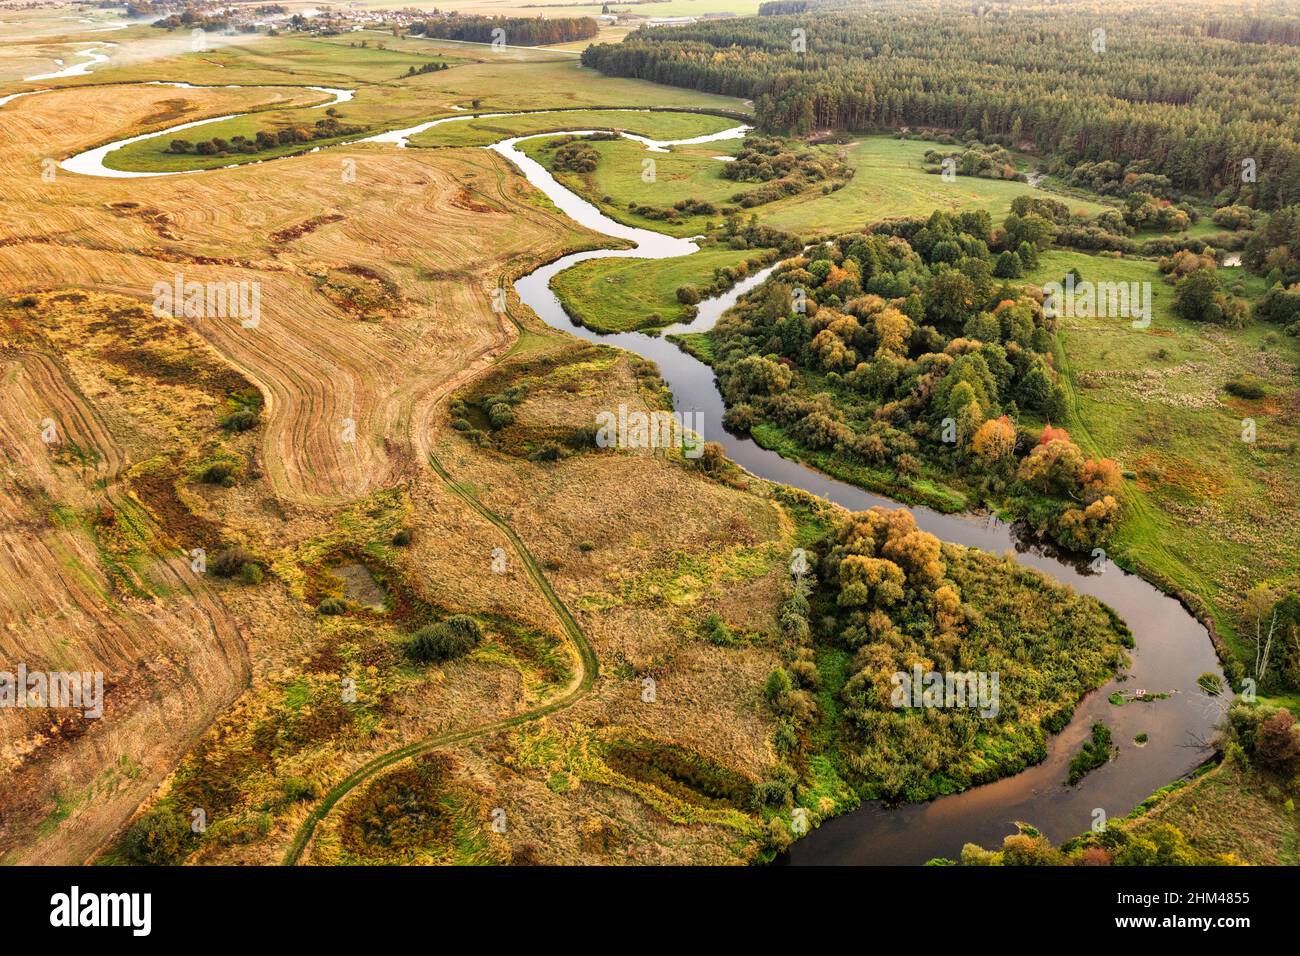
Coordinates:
[91,162]
[90,58]
[1172,650]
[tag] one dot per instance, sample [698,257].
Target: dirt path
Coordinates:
[581,683]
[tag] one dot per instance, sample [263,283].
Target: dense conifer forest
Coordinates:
[517,31]
[1191,92]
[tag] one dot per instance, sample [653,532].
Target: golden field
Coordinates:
[374,308]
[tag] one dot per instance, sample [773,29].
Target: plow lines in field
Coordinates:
[374,301]
[170,667]
[368,315]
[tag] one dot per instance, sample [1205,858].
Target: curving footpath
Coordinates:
[588,664]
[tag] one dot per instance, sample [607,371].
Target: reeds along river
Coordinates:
[1173,649]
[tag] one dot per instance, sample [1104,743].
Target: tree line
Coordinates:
[327,128]
[517,31]
[1214,112]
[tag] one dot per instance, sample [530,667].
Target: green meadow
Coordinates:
[661,125]
[619,295]
[621,178]
[291,60]
[1205,510]
[890,181]
[372,108]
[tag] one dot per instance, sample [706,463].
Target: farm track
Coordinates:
[578,687]
[172,653]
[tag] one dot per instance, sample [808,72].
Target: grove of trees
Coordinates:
[898,353]
[893,597]
[516,31]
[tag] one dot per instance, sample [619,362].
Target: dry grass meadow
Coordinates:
[223,693]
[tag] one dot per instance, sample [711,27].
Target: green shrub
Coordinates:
[445,640]
[1094,753]
[239,831]
[501,415]
[297,789]
[1210,683]
[548,452]
[776,790]
[778,684]
[332,605]
[713,630]
[785,738]
[240,421]
[219,473]
[230,562]
[776,836]
[251,573]
[1245,386]
[158,838]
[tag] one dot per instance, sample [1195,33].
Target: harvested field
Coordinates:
[372,306]
[316,364]
[124,388]
[89,582]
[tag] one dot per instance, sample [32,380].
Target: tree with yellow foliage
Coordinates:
[892,331]
[994,443]
[1054,468]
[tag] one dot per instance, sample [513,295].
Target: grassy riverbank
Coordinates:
[1206,511]
[620,295]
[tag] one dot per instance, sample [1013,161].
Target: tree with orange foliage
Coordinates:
[1053,434]
[1101,477]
